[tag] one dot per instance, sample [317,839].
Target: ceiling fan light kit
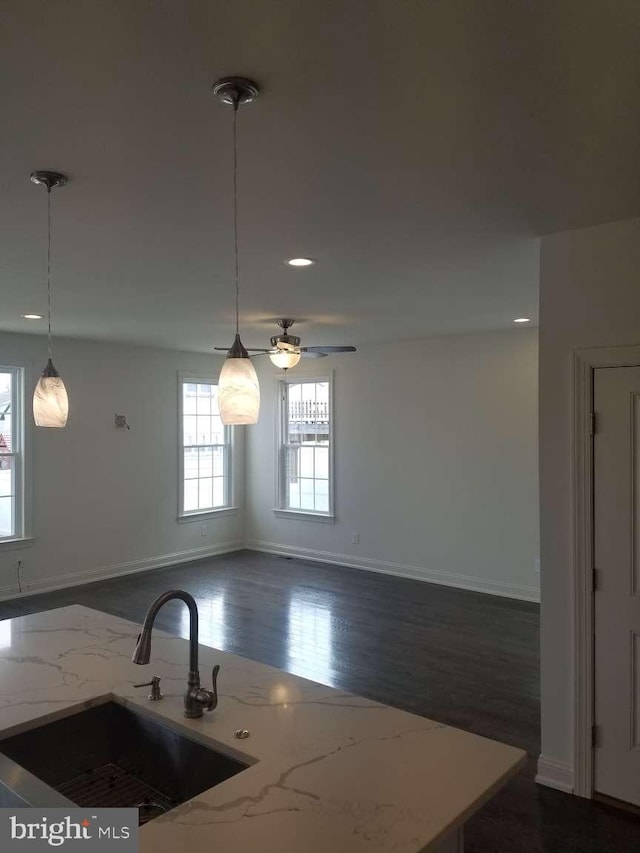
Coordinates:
[50,399]
[238,387]
[285,359]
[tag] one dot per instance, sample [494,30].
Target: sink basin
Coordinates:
[109,756]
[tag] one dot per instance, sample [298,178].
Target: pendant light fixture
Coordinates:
[50,401]
[238,388]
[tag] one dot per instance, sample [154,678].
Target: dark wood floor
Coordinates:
[464,658]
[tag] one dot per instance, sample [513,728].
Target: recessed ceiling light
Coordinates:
[32,316]
[300,262]
[522,320]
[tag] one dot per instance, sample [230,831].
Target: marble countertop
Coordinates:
[333,771]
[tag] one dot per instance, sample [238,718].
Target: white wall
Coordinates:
[436,463]
[589,297]
[435,458]
[105,501]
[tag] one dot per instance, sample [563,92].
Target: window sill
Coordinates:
[304,515]
[15,544]
[205,515]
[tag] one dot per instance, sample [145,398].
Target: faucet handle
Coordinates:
[214,680]
[209,698]
[154,684]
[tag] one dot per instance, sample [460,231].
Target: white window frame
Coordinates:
[280,509]
[213,512]
[17,454]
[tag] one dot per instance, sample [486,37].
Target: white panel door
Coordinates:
[617,597]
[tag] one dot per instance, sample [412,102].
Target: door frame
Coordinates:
[585,362]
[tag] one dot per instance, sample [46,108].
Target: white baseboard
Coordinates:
[105,572]
[493,587]
[555,774]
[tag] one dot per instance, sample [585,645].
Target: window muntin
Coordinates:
[205,448]
[306,446]
[11,453]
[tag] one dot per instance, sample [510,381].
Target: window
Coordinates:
[205,450]
[11,454]
[306,446]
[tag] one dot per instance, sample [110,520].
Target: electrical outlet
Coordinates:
[536,565]
[204,530]
[355,538]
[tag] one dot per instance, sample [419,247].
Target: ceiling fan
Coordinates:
[286,351]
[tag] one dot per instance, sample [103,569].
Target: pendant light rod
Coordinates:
[235,213]
[49,273]
[235,91]
[49,180]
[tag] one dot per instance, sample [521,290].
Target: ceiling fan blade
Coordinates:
[327,350]
[313,354]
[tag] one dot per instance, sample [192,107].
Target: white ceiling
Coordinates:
[416,148]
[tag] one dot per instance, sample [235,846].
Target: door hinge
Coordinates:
[593,423]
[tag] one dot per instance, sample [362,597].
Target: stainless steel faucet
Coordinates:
[196,698]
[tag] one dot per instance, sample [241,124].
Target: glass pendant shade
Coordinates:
[50,401]
[284,358]
[238,388]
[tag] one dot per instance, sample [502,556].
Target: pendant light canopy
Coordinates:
[238,387]
[50,401]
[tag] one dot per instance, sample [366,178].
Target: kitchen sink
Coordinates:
[109,756]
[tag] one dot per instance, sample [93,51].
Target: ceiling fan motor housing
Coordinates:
[286,342]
